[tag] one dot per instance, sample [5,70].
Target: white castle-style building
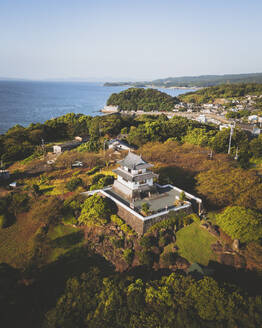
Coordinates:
[135,185]
[134,180]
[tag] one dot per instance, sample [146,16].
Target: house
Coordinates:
[208,106]
[110,109]
[201,119]
[119,145]
[66,146]
[256,131]
[253,118]
[4,174]
[135,185]
[224,126]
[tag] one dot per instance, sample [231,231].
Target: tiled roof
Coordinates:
[134,162]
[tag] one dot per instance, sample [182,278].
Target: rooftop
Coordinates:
[134,162]
[163,200]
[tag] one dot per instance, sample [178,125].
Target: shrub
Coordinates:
[94,170]
[74,183]
[182,196]
[162,241]
[97,177]
[145,208]
[107,180]
[128,256]
[3,221]
[95,187]
[173,219]
[125,228]
[118,243]
[116,219]
[146,258]
[187,220]
[97,210]
[241,223]
[169,258]
[147,242]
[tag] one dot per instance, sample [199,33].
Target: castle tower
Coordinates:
[133,177]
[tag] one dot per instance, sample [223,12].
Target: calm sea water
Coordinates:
[31,102]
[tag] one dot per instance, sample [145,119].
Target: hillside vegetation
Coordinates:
[142,99]
[69,260]
[196,81]
[222,91]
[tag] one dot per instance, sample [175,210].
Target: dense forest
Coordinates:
[142,99]
[196,81]
[222,91]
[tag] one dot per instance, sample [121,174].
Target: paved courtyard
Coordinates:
[164,199]
[157,202]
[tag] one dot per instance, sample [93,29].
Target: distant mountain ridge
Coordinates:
[194,81]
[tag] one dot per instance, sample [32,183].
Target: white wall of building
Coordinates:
[57,149]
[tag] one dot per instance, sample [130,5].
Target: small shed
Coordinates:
[117,144]
[66,146]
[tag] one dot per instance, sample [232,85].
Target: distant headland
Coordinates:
[192,82]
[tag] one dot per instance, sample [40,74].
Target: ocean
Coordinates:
[24,102]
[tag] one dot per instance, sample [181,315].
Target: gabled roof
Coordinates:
[134,162]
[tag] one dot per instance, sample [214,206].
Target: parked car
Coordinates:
[77,164]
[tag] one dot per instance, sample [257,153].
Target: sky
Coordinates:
[128,39]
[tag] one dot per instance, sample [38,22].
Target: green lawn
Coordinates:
[194,244]
[64,238]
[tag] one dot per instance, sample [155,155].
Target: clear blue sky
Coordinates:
[135,39]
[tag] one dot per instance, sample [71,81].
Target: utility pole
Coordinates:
[230,137]
[43,146]
[236,156]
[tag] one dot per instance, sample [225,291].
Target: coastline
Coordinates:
[150,86]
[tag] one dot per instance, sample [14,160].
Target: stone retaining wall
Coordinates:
[132,220]
[149,223]
[141,226]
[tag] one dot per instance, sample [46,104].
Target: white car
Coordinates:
[77,164]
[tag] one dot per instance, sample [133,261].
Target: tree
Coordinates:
[182,196]
[19,202]
[128,255]
[169,258]
[97,210]
[223,185]
[74,183]
[241,223]
[256,147]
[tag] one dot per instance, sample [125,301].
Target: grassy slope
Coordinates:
[194,244]
[61,231]
[16,241]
